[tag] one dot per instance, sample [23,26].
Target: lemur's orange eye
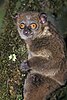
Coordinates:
[22,25]
[33,26]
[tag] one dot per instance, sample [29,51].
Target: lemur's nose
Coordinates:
[27,31]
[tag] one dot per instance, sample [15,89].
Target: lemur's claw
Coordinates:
[24,66]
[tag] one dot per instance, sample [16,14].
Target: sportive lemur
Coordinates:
[46,55]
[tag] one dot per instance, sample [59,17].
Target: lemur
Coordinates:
[46,55]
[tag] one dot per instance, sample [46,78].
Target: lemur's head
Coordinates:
[30,24]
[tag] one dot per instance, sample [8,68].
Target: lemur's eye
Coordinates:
[33,26]
[22,25]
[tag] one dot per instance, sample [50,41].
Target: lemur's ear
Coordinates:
[43,18]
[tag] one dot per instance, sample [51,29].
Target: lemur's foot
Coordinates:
[24,66]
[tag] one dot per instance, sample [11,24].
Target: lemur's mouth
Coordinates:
[30,35]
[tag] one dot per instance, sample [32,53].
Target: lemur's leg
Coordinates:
[38,87]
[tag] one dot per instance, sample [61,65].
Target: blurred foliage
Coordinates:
[53,6]
[13,50]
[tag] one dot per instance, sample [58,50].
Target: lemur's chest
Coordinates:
[40,46]
[42,52]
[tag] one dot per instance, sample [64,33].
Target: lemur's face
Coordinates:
[30,25]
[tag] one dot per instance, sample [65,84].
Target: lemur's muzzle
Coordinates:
[27,31]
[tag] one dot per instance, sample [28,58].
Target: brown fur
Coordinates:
[46,59]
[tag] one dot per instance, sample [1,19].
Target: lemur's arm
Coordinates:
[42,66]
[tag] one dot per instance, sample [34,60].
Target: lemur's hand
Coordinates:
[24,66]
